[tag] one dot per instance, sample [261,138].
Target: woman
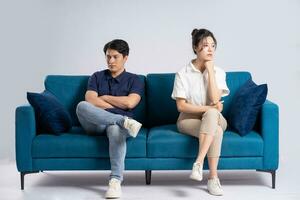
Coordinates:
[198,89]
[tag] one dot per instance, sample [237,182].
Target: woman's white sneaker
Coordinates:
[114,189]
[197,172]
[214,187]
[132,126]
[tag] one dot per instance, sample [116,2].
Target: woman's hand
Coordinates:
[209,65]
[218,106]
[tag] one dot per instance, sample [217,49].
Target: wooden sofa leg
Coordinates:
[273,173]
[22,175]
[148,177]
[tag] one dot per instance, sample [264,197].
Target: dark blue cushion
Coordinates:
[245,106]
[50,114]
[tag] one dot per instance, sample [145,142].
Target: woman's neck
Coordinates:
[199,64]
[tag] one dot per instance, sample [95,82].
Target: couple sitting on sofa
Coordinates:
[112,94]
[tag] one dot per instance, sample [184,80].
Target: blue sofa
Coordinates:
[158,146]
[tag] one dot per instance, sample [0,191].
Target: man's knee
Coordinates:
[82,107]
[114,133]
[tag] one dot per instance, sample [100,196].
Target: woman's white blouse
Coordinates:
[191,84]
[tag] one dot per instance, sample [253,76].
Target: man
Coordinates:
[111,96]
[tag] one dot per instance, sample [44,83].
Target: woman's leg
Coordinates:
[213,185]
[213,165]
[205,141]
[214,153]
[207,133]
[191,126]
[205,129]
[195,127]
[214,150]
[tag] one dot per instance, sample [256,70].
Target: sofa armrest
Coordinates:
[270,134]
[25,132]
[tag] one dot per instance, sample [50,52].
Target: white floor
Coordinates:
[91,185]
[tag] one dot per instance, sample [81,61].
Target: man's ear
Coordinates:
[125,58]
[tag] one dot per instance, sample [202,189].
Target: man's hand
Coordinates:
[123,102]
[92,97]
[104,97]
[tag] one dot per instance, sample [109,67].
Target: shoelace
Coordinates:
[130,126]
[217,183]
[198,165]
[113,184]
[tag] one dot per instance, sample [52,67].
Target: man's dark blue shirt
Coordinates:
[124,84]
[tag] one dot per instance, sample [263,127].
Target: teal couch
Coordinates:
[158,146]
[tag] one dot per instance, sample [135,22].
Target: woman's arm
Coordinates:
[213,90]
[183,106]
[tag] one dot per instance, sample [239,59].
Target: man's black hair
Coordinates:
[119,45]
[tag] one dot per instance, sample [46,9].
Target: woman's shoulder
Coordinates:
[185,69]
[181,70]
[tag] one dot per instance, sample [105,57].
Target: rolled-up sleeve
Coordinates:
[92,83]
[137,86]
[221,82]
[178,88]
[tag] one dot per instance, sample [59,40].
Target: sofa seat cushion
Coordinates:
[77,144]
[166,142]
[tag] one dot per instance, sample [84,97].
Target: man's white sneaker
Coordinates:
[132,126]
[214,187]
[197,172]
[114,189]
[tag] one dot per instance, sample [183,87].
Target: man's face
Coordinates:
[115,61]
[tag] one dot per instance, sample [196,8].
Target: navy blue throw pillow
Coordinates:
[245,106]
[50,114]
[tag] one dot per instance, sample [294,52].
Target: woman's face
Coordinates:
[206,49]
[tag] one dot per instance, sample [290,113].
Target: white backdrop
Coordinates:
[41,37]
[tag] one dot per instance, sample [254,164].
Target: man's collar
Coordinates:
[118,78]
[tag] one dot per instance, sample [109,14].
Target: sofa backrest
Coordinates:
[162,108]
[70,90]
[156,108]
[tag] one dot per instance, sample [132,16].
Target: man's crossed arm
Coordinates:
[108,101]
